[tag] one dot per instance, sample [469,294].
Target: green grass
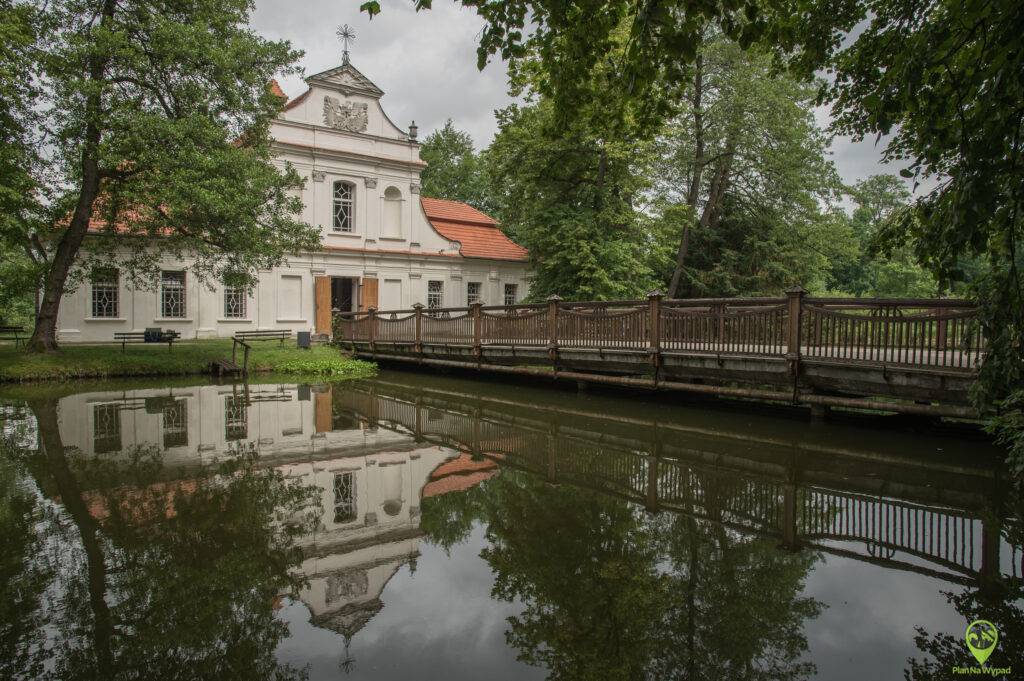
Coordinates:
[74,362]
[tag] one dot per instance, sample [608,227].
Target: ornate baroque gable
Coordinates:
[348,80]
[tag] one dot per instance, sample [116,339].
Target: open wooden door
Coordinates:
[370,297]
[324,411]
[322,304]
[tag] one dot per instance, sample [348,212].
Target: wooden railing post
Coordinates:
[654,328]
[371,316]
[419,327]
[553,302]
[796,306]
[477,327]
[793,338]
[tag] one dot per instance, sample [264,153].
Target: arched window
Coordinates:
[392,227]
[344,206]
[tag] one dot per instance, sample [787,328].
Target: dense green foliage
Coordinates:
[454,169]
[151,118]
[569,194]
[861,269]
[187,357]
[743,167]
[942,78]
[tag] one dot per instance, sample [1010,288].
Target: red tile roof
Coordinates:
[477,232]
[275,88]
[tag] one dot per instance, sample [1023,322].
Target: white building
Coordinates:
[384,245]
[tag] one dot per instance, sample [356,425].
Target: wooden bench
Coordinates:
[281,336]
[147,336]
[14,333]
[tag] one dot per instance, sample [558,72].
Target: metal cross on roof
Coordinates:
[346,35]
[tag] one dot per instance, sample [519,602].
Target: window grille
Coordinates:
[511,291]
[435,294]
[344,497]
[172,295]
[105,293]
[106,428]
[175,418]
[344,207]
[472,292]
[235,298]
[236,420]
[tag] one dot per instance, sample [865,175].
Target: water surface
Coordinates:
[425,527]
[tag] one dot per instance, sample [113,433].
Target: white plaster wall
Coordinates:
[372,161]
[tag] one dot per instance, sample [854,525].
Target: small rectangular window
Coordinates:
[435,294]
[236,418]
[175,417]
[172,295]
[106,428]
[511,294]
[344,205]
[344,497]
[472,292]
[105,293]
[235,298]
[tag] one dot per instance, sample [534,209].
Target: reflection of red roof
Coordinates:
[454,483]
[140,505]
[477,232]
[455,475]
[460,465]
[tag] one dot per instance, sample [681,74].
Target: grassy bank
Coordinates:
[186,357]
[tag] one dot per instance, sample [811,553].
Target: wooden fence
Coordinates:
[939,333]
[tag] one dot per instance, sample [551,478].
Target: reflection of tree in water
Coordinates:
[21,589]
[170,579]
[999,600]
[611,592]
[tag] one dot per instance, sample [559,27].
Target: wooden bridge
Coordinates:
[939,518]
[917,356]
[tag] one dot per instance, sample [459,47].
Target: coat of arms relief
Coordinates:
[348,116]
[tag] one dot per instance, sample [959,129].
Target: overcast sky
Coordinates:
[426,64]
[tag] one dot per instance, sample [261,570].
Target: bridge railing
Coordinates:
[940,333]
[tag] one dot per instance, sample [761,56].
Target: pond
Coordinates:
[427,527]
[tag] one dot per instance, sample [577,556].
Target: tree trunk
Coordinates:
[693,191]
[44,336]
[70,492]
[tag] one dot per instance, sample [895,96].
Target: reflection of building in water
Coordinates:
[199,422]
[371,479]
[370,525]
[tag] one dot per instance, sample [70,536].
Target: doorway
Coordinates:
[343,294]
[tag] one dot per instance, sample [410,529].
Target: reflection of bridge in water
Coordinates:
[938,518]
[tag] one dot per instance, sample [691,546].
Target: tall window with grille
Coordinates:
[236,419]
[511,294]
[172,295]
[344,206]
[235,298]
[435,294]
[175,424]
[344,497]
[473,292]
[106,428]
[105,293]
